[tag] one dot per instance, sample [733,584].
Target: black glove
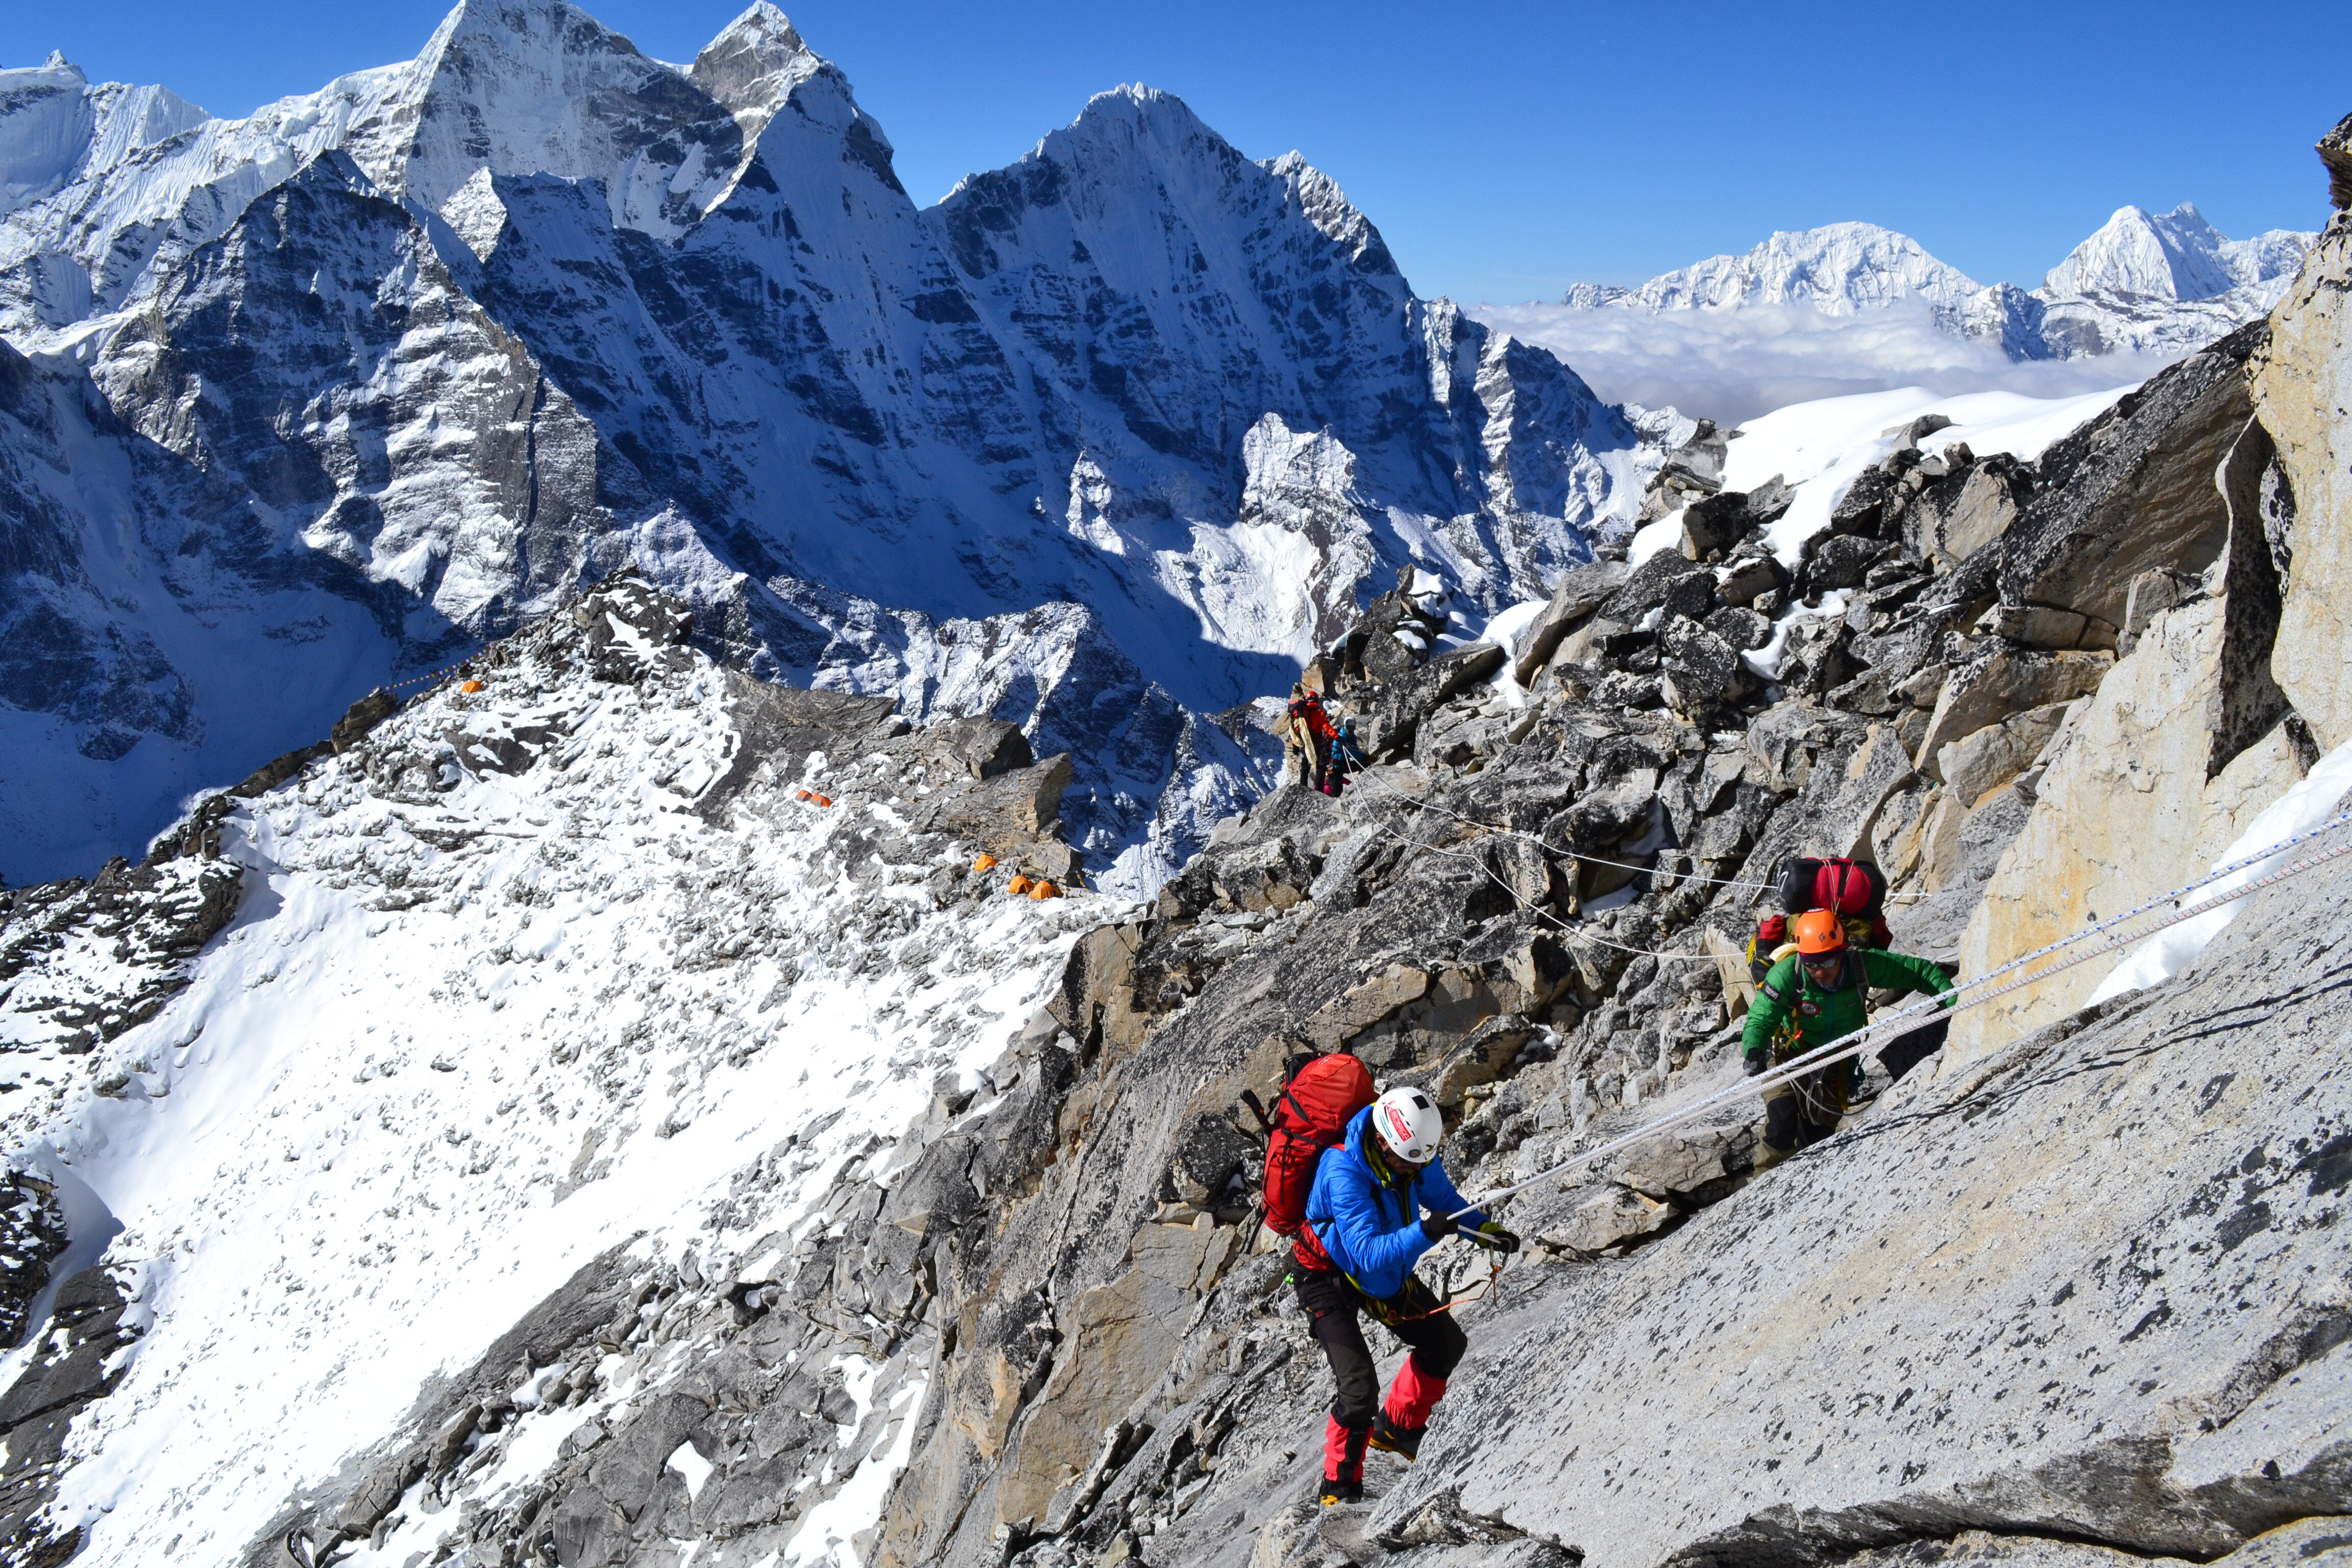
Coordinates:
[1436,1226]
[1752,1064]
[1494,1239]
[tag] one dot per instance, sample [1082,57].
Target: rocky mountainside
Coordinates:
[657,1136]
[1107,442]
[2163,283]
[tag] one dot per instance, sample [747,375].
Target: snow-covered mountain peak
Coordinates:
[54,126]
[1838,268]
[2175,256]
[1327,206]
[755,63]
[539,86]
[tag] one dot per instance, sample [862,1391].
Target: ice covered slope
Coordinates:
[589,308]
[529,974]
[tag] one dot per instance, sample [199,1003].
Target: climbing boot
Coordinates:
[1396,1439]
[1338,1494]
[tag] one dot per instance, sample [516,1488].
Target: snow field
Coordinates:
[469,1031]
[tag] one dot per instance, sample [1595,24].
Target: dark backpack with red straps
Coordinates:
[1321,1095]
[1855,890]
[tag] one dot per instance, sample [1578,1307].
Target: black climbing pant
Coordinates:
[1334,1307]
[1802,1112]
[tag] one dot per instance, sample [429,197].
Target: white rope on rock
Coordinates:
[1913,1015]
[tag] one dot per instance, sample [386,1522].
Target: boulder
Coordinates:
[1689,1163]
[1580,591]
[1712,526]
[2302,387]
[979,747]
[2036,626]
[1743,628]
[1013,811]
[1977,764]
[1480,1058]
[1698,666]
[2006,680]
[1611,1217]
[1209,1152]
[1665,582]
[1751,578]
[1958,516]
[1839,560]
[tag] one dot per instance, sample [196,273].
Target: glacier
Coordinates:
[1108,442]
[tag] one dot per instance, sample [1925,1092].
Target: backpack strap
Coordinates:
[1257,1109]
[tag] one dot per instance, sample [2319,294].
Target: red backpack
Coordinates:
[1319,1097]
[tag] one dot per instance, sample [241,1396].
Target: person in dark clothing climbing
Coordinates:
[1811,997]
[1379,1202]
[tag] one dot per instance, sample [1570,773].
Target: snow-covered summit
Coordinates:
[54,125]
[1838,269]
[2175,256]
[2145,284]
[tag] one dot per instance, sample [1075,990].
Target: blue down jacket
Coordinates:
[1371,1229]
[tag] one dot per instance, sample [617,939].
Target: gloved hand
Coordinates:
[1436,1226]
[1494,1239]
[1752,1064]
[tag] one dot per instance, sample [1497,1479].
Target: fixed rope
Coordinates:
[1910,1017]
[431,674]
[1549,847]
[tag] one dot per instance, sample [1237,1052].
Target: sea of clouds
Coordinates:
[1731,365]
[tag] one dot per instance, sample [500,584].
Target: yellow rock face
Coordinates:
[2302,392]
[2123,813]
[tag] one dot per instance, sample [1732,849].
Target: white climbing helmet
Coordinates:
[1410,1124]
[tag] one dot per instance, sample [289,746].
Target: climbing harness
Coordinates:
[1452,1299]
[1904,1019]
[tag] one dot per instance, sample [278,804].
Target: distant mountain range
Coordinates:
[1105,442]
[2163,283]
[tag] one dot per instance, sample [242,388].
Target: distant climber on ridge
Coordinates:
[1309,734]
[1379,1202]
[1807,999]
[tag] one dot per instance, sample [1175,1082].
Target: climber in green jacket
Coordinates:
[1807,999]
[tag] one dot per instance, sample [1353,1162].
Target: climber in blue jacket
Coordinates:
[1380,1200]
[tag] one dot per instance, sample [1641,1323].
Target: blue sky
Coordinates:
[1505,149]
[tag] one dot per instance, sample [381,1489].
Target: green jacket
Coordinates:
[1789,994]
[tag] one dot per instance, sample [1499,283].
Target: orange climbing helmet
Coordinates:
[1817,931]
